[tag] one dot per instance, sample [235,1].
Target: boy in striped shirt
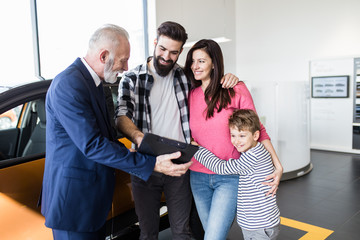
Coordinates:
[257,213]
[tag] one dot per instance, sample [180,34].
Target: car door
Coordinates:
[21,170]
[22,167]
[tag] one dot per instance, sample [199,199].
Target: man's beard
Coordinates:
[162,70]
[109,75]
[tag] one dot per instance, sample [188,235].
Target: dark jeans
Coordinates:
[147,196]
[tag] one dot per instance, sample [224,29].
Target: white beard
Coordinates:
[109,75]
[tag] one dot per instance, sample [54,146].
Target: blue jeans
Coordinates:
[215,198]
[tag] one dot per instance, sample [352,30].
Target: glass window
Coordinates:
[65,28]
[9,119]
[16,45]
[33,125]
[22,130]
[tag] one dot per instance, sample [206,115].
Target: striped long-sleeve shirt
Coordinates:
[255,210]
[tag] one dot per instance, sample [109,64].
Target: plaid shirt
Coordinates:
[133,99]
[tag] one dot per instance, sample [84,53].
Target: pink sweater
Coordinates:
[214,133]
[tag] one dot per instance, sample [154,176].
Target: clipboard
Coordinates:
[156,145]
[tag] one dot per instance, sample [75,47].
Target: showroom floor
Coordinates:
[324,204]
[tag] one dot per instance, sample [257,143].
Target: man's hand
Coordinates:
[229,80]
[194,143]
[166,166]
[138,137]
[128,128]
[276,176]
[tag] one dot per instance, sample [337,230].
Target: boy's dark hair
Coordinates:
[172,30]
[245,119]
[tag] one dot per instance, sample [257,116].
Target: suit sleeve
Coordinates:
[73,106]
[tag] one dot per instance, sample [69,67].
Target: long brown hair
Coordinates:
[216,97]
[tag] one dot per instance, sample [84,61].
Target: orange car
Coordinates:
[21,173]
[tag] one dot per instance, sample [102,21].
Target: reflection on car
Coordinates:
[4,88]
[8,119]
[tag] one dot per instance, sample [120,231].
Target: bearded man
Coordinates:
[153,97]
[81,149]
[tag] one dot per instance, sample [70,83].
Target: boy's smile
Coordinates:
[243,140]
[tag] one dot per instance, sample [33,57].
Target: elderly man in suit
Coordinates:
[81,149]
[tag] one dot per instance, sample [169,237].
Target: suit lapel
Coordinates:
[102,102]
[98,94]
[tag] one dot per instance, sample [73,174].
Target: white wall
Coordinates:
[201,19]
[273,40]
[276,39]
[332,118]
[283,109]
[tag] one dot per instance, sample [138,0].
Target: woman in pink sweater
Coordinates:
[210,107]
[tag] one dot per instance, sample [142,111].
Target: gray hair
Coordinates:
[108,34]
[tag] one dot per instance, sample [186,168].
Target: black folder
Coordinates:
[156,145]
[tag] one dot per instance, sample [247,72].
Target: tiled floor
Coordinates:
[328,197]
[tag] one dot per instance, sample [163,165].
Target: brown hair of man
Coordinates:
[172,30]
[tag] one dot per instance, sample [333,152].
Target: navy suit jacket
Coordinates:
[81,154]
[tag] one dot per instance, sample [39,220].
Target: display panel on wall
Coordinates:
[330,87]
